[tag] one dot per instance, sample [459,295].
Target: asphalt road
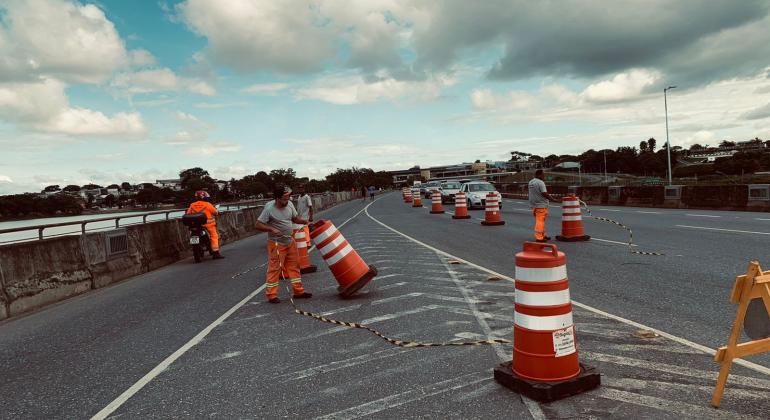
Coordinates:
[198,340]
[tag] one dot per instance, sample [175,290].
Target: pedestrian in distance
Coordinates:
[278,219]
[538,200]
[304,204]
[202,204]
[371,192]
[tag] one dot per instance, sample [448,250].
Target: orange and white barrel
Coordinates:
[544,347]
[416,199]
[407,195]
[349,269]
[461,207]
[300,238]
[436,206]
[492,211]
[571,220]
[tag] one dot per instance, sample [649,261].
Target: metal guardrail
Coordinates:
[82,223]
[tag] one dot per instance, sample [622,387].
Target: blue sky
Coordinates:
[115,91]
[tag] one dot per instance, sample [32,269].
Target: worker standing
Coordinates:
[202,204]
[305,209]
[538,200]
[278,219]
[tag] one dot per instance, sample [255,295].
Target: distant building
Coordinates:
[568,165]
[174,184]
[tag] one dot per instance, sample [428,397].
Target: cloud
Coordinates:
[215,148]
[348,90]
[159,80]
[5,178]
[80,121]
[485,99]
[54,38]
[141,58]
[201,88]
[621,87]
[758,113]
[265,88]
[220,105]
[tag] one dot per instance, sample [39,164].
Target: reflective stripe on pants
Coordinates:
[282,260]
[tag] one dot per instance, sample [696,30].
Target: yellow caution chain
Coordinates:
[630,232]
[399,343]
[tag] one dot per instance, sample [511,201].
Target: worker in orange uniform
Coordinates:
[538,200]
[203,205]
[277,219]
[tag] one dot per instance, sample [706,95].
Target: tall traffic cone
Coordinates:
[407,195]
[348,268]
[461,207]
[300,237]
[416,199]
[436,207]
[492,213]
[571,220]
[545,364]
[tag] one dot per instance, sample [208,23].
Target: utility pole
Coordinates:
[605,164]
[668,145]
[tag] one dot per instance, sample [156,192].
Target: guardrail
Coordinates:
[82,223]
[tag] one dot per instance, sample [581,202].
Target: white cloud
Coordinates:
[5,178]
[485,99]
[54,38]
[265,88]
[142,58]
[201,88]
[215,148]
[622,87]
[159,80]
[79,121]
[348,90]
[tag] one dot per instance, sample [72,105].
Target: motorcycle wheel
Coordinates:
[197,253]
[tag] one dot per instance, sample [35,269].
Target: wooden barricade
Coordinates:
[755,284]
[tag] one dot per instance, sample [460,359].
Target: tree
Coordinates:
[696,146]
[149,196]
[51,188]
[726,143]
[284,176]
[126,186]
[643,146]
[91,187]
[194,175]
[113,187]
[249,186]
[651,142]
[71,189]
[109,201]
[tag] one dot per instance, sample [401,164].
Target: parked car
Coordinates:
[427,189]
[476,193]
[448,189]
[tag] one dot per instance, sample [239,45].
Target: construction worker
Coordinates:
[538,200]
[305,209]
[278,219]
[202,204]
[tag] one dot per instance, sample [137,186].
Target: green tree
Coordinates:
[71,189]
[51,188]
[126,186]
[651,142]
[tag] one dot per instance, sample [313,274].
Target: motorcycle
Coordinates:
[199,236]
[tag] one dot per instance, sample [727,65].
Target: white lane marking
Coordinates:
[662,404]
[724,230]
[649,212]
[341,364]
[700,215]
[141,383]
[609,210]
[758,218]
[683,341]
[612,242]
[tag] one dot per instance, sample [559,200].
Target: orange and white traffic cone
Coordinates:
[300,237]
[571,220]
[348,268]
[436,207]
[492,213]
[407,195]
[416,199]
[545,364]
[461,207]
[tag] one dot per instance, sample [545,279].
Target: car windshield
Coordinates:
[451,186]
[481,187]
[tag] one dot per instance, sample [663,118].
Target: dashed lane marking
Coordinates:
[680,340]
[701,215]
[649,212]
[609,210]
[759,218]
[724,230]
[612,242]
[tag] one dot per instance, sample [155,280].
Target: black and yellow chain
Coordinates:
[630,232]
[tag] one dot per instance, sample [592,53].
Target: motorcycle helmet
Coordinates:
[201,195]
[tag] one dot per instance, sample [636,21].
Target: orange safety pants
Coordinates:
[540,215]
[213,235]
[282,260]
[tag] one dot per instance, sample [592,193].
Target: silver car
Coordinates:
[448,189]
[476,193]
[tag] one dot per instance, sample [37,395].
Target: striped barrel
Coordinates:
[492,211]
[544,345]
[571,220]
[416,199]
[407,195]
[436,206]
[461,207]
[349,269]
[301,239]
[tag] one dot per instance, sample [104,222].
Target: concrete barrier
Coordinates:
[37,273]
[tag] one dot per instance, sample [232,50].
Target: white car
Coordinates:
[448,189]
[427,189]
[476,193]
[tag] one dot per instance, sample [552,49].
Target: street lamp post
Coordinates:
[605,165]
[668,145]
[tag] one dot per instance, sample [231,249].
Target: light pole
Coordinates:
[605,164]
[668,145]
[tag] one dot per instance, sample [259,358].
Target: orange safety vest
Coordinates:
[203,207]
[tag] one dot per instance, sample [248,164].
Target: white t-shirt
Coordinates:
[536,190]
[280,219]
[304,203]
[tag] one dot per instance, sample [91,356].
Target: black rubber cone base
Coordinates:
[309,269]
[437,212]
[358,284]
[587,380]
[572,238]
[485,223]
[461,217]
[416,206]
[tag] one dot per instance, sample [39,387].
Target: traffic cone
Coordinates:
[571,220]
[300,237]
[461,207]
[416,199]
[545,364]
[492,213]
[436,207]
[407,195]
[348,268]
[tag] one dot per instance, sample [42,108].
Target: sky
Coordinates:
[110,91]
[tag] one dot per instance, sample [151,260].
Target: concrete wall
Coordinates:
[37,273]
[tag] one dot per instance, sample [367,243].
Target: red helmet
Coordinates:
[200,195]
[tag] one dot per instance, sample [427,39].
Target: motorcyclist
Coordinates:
[202,204]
